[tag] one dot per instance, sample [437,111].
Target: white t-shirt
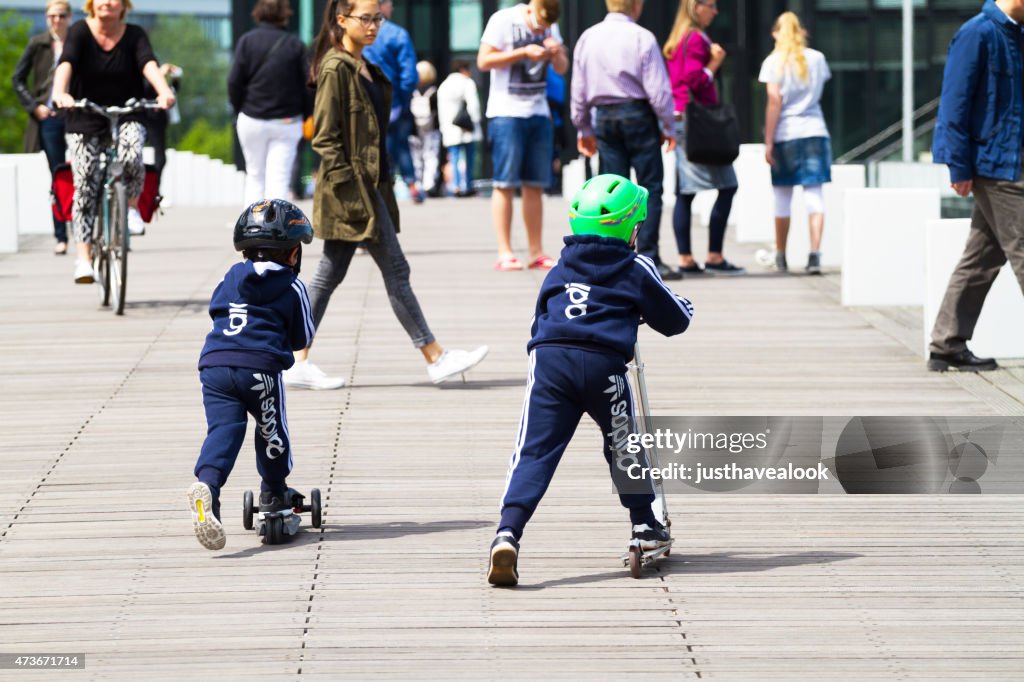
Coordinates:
[517,90]
[801,101]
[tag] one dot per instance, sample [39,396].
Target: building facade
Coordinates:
[862,40]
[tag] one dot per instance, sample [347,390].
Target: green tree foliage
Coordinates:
[203,96]
[13,39]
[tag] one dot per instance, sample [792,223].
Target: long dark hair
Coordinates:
[330,35]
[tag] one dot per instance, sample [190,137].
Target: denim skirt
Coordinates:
[804,161]
[697,177]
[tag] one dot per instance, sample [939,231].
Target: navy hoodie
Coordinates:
[260,315]
[596,294]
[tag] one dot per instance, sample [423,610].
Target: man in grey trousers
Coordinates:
[979,135]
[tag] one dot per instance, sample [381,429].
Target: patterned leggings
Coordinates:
[85,151]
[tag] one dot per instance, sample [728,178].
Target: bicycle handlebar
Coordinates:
[112,112]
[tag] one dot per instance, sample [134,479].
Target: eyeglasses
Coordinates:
[57,16]
[365,20]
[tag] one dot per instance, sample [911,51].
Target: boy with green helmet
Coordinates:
[583,334]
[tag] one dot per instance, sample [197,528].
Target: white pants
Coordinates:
[269,148]
[426,152]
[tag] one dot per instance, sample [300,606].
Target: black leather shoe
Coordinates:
[668,273]
[964,361]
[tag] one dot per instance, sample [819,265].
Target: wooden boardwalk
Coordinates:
[102,421]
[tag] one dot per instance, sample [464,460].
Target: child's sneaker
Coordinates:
[454,362]
[305,374]
[504,569]
[651,537]
[205,516]
[274,502]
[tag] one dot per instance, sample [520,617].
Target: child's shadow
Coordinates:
[720,562]
[343,532]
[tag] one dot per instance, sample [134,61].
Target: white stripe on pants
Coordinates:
[269,148]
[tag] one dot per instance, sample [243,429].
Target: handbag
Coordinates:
[712,134]
[712,131]
[463,119]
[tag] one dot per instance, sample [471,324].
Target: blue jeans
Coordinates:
[51,139]
[397,142]
[521,151]
[628,136]
[462,166]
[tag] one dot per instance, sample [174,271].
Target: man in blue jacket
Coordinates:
[979,135]
[394,54]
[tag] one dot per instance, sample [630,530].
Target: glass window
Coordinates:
[897,4]
[466,21]
[834,5]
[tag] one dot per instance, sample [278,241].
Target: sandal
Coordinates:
[542,262]
[508,264]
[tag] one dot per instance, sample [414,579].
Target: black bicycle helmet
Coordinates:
[272,224]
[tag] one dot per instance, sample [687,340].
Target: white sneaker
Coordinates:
[454,362]
[84,273]
[305,374]
[208,528]
[136,226]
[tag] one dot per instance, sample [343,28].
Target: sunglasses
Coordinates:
[57,16]
[365,20]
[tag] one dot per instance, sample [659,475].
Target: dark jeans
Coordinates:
[398,147]
[387,254]
[628,137]
[51,139]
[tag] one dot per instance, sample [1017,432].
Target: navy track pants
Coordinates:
[563,385]
[230,394]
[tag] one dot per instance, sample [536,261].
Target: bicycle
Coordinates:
[110,237]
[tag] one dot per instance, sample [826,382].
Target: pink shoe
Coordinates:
[508,264]
[543,262]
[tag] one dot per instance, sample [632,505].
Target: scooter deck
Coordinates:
[649,556]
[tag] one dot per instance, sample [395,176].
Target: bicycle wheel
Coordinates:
[118,213]
[101,259]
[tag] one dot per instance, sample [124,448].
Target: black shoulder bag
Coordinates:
[712,131]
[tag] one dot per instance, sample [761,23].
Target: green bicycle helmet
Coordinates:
[609,206]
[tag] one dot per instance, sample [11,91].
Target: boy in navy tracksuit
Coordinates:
[260,315]
[584,332]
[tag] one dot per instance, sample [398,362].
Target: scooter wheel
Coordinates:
[247,510]
[635,562]
[315,508]
[274,531]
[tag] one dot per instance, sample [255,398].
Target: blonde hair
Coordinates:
[623,6]
[126,6]
[790,41]
[426,72]
[66,4]
[686,20]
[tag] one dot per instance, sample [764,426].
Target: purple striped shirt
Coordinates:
[618,61]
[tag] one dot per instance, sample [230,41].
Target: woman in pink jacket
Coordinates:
[693,61]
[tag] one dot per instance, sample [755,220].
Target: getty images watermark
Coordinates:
[809,455]
[735,443]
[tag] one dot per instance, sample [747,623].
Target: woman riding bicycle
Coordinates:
[105,60]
